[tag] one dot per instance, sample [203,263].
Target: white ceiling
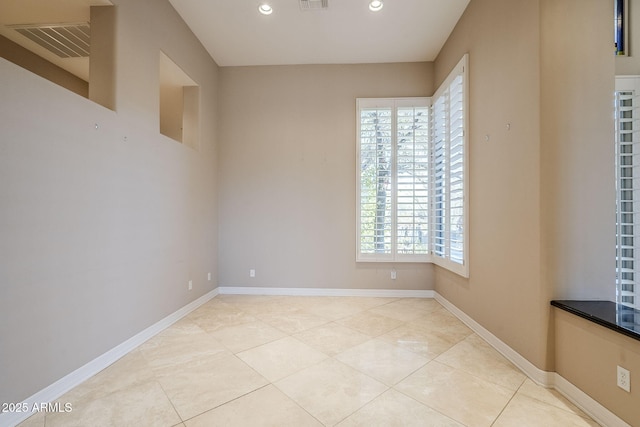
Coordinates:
[234,33]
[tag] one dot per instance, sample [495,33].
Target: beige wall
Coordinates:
[578,164]
[503,292]
[171,108]
[102,57]
[578,178]
[287,174]
[541,193]
[587,356]
[18,55]
[102,227]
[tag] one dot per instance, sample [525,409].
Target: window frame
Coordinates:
[393,104]
[461,69]
[444,260]
[627,266]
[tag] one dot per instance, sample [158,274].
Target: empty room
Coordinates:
[319,212]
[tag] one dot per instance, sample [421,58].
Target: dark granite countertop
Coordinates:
[618,317]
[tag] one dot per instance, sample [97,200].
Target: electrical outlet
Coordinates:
[393,275]
[624,379]
[209,276]
[190,284]
[252,273]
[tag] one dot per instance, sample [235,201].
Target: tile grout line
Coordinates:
[168,398]
[225,403]
[473,374]
[507,404]
[582,414]
[424,404]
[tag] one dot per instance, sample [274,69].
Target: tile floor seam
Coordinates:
[503,409]
[582,414]
[469,372]
[292,373]
[296,403]
[473,375]
[363,373]
[362,406]
[480,378]
[411,373]
[248,348]
[225,403]
[387,387]
[427,405]
[355,330]
[170,401]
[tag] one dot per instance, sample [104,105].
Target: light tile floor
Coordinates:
[313,361]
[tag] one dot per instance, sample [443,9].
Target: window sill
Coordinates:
[617,317]
[459,269]
[402,260]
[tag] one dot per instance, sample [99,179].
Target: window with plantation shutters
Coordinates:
[411,202]
[449,164]
[412,163]
[439,176]
[376,157]
[627,191]
[393,179]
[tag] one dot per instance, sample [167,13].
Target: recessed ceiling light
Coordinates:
[265,9]
[375,5]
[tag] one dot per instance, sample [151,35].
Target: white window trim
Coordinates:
[392,103]
[461,68]
[443,261]
[624,296]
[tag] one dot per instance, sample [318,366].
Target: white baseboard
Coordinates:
[324,292]
[66,383]
[595,410]
[547,379]
[540,377]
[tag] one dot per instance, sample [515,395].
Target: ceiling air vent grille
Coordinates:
[64,40]
[314,4]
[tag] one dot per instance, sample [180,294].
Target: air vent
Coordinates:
[64,40]
[314,4]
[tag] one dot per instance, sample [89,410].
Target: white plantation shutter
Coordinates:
[376,130]
[628,191]
[393,168]
[412,162]
[448,163]
[412,178]
[439,167]
[457,152]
